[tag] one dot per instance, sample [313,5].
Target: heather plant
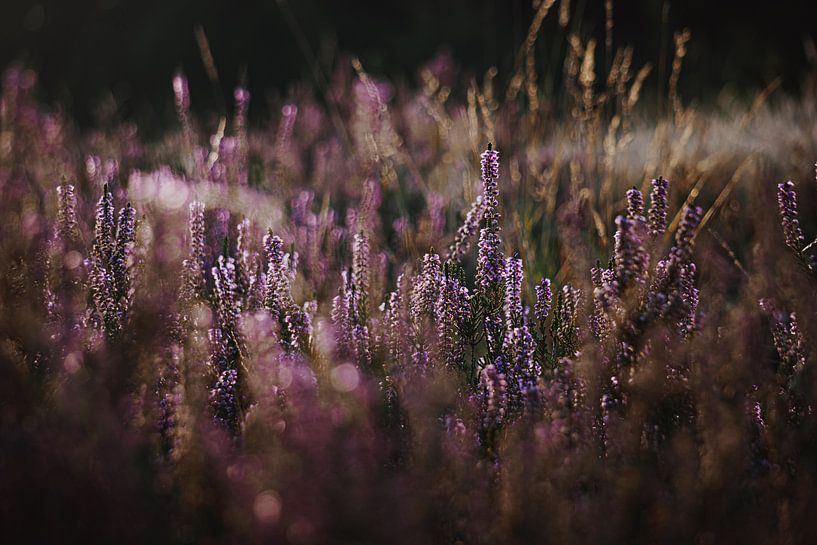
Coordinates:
[266,343]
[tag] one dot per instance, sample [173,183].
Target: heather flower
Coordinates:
[278,299]
[544,297]
[605,286]
[394,331]
[494,390]
[564,325]
[681,252]
[658,207]
[490,262]
[465,234]
[361,279]
[513,291]
[274,250]
[788,340]
[125,237]
[396,320]
[787,205]
[67,229]
[109,264]
[249,272]
[224,400]
[494,330]
[689,296]
[672,292]
[104,226]
[342,316]
[452,314]
[193,268]
[420,359]
[635,204]
[632,259]
[360,345]
[426,287]
[598,321]
[562,396]
[791,349]
[228,308]
[522,370]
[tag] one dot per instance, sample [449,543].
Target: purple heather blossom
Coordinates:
[294,333]
[274,250]
[657,298]
[513,291]
[632,259]
[249,274]
[394,334]
[635,204]
[787,205]
[522,370]
[104,226]
[426,287]
[67,229]
[566,331]
[465,234]
[490,261]
[607,293]
[361,278]
[494,325]
[125,237]
[689,295]
[452,313]
[361,345]
[681,252]
[193,268]
[602,299]
[224,400]
[109,264]
[420,359]
[494,389]
[788,339]
[544,298]
[658,207]
[396,320]
[228,308]
[342,316]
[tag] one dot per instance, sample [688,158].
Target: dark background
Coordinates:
[87,50]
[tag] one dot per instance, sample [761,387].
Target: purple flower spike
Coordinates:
[513,291]
[490,263]
[632,259]
[681,252]
[224,400]
[658,207]
[67,229]
[544,299]
[466,232]
[635,204]
[787,205]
